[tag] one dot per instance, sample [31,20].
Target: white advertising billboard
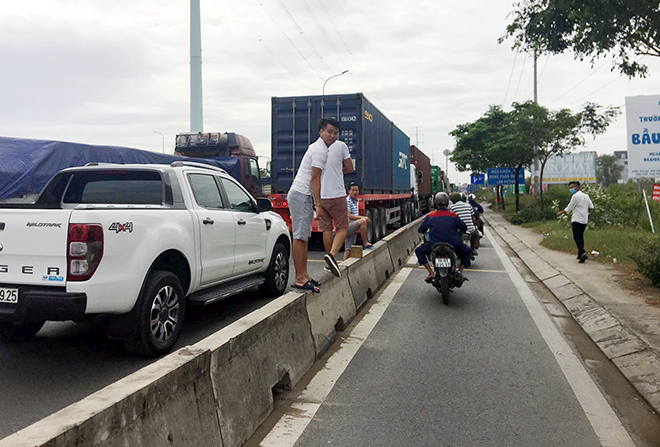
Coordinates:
[579,167]
[643,123]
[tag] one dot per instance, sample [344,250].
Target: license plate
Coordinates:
[442,262]
[8,295]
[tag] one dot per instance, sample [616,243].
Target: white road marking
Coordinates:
[604,421]
[291,425]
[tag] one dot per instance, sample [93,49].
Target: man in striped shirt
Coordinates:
[466,213]
[355,221]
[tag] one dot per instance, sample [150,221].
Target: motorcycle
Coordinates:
[446,268]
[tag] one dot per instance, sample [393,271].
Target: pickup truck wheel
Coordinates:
[277,275]
[162,308]
[19,331]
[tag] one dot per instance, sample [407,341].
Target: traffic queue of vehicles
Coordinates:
[138,236]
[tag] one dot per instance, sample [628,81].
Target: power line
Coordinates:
[275,56]
[577,85]
[290,41]
[519,79]
[510,77]
[293,20]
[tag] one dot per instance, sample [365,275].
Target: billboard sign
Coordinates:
[478,179]
[565,168]
[505,176]
[643,131]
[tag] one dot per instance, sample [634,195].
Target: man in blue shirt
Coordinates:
[442,225]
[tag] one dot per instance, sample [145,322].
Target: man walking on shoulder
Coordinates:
[333,201]
[304,192]
[579,206]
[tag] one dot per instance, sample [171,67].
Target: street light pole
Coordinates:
[323,91]
[163,137]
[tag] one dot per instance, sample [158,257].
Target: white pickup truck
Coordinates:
[138,243]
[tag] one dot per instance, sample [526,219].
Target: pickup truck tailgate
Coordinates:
[33,246]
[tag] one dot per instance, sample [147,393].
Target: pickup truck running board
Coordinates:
[217,293]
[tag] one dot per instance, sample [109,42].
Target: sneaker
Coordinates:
[583,258]
[332,264]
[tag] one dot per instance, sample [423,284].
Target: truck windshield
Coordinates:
[116,187]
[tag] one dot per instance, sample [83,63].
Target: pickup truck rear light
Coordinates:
[84,250]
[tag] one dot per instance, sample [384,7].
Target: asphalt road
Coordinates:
[68,361]
[475,373]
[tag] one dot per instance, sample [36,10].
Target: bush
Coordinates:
[648,260]
[532,212]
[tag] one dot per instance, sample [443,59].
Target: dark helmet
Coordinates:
[441,199]
[456,197]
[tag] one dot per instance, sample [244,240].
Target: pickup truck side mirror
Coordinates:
[264,204]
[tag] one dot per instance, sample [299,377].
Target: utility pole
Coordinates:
[537,165]
[196,106]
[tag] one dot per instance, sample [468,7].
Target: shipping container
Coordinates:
[422,165]
[380,150]
[436,174]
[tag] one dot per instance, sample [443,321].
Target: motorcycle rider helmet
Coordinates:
[441,199]
[471,197]
[455,197]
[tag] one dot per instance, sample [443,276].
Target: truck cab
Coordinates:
[228,144]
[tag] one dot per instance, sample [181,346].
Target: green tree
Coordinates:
[608,171]
[565,131]
[494,140]
[624,29]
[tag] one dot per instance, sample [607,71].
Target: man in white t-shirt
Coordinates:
[304,192]
[333,199]
[579,205]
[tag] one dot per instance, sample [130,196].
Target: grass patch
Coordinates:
[610,243]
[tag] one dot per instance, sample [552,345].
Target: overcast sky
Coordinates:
[113,72]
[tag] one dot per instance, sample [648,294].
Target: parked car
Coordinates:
[138,243]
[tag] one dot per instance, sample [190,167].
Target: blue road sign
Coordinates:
[478,179]
[505,176]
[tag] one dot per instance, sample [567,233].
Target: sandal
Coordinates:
[315,282]
[307,286]
[428,279]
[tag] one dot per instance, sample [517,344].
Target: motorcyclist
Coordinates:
[466,213]
[442,225]
[478,211]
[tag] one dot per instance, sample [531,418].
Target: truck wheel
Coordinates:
[277,275]
[376,224]
[383,222]
[19,331]
[162,309]
[371,234]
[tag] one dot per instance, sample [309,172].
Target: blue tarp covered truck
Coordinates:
[26,165]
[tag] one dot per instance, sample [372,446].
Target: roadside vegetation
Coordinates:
[619,230]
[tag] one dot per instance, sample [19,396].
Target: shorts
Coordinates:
[351,237]
[334,209]
[301,207]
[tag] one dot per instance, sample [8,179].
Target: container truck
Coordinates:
[379,149]
[423,201]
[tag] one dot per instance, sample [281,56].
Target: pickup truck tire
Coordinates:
[277,275]
[161,311]
[19,331]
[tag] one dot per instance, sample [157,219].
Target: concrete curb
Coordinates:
[636,361]
[218,391]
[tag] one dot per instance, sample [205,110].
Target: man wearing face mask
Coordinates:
[579,206]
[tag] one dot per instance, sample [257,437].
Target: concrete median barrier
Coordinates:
[330,311]
[169,402]
[362,279]
[269,349]
[218,392]
[383,265]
